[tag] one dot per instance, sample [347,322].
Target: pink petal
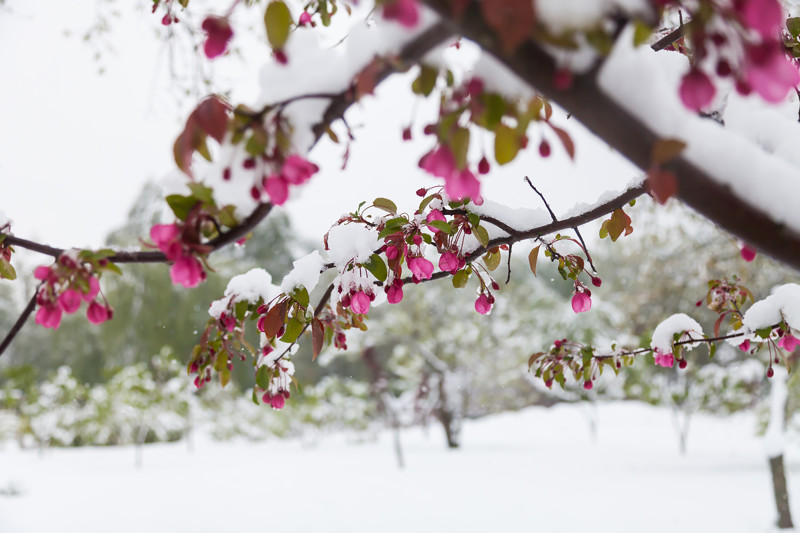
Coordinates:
[483,305]
[69,301]
[696,90]
[187,271]
[97,313]
[359,303]
[405,12]
[278,190]
[581,302]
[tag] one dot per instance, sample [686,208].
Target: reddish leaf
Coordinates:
[275,319]
[317,337]
[512,20]
[212,117]
[663,184]
[566,140]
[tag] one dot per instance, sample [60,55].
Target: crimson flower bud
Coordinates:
[596,281]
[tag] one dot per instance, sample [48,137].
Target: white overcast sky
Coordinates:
[77,146]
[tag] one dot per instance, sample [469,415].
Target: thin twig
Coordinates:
[552,215]
[508,277]
[20,321]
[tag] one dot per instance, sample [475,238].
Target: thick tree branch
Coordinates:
[585,100]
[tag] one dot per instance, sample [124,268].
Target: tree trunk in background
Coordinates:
[781,493]
[774,443]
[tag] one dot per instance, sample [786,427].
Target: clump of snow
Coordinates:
[561,16]
[664,334]
[351,241]
[645,83]
[782,304]
[250,287]
[304,274]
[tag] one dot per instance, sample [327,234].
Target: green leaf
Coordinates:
[6,270]
[426,81]
[506,144]
[112,267]
[495,108]
[492,260]
[293,329]
[441,225]
[793,25]
[300,295]
[377,267]
[263,377]
[482,235]
[641,33]
[424,203]
[257,142]
[181,205]
[533,259]
[385,204]
[226,216]
[240,309]
[202,193]
[459,143]
[460,279]
[474,220]
[278,21]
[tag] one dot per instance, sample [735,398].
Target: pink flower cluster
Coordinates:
[759,62]
[357,299]
[186,269]
[665,359]
[458,184]
[65,285]
[294,171]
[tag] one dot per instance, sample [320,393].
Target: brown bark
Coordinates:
[781,494]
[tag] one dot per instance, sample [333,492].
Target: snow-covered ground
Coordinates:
[536,470]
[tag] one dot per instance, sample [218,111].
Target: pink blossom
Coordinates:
[69,301]
[187,271]
[297,170]
[420,268]
[770,72]
[218,33]
[463,184]
[405,12]
[392,252]
[97,313]
[359,303]
[483,305]
[49,316]
[788,342]
[764,16]
[748,253]
[745,345]
[581,302]
[664,359]
[395,292]
[41,273]
[166,238]
[94,288]
[439,162]
[278,402]
[278,189]
[696,90]
[448,262]
[305,18]
[435,214]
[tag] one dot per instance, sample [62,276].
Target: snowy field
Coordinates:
[537,470]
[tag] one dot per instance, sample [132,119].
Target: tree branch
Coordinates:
[585,100]
[20,322]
